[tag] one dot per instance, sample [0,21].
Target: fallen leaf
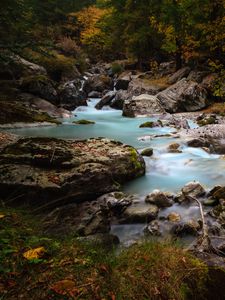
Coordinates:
[65,287]
[2,216]
[34,253]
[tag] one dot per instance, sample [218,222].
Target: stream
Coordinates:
[164,171]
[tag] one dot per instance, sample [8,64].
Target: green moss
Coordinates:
[147,152]
[135,159]
[147,125]
[83,122]
[207,121]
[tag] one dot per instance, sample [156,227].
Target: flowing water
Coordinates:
[164,171]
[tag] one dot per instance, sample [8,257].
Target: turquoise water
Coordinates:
[165,171]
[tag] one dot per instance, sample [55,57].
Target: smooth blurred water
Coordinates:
[165,171]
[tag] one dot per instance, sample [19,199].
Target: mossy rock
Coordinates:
[83,122]
[14,111]
[207,121]
[147,125]
[147,152]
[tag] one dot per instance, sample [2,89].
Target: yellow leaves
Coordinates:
[2,216]
[34,253]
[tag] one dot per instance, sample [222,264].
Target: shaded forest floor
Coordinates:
[36,266]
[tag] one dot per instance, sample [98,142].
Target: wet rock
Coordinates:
[151,124]
[98,83]
[71,96]
[178,75]
[153,229]
[41,86]
[147,152]
[190,227]
[40,170]
[210,202]
[183,96]
[94,94]
[193,189]
[117,202]
[174,148]
[160,199]
[119,99]
[142,105]
[139,214]
[174,217]
[107,98]
[83,122]
[198,143]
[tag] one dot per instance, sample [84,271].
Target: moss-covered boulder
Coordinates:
[147,152]
[54,172]
[83,122]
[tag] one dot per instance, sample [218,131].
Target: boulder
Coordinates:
[193,189]
[53,172]
[71,95]
[41,86]
[184,96]
[117,202]
[140,86]
[98,83]
[159,199]
[147,152]
[82,219]
[174,148]
[190,227]
[94,94]
[151,124]
[153,229]
[19,67]
[119,99]
[106,99]
[178,75]
[139,214]
[123,81]
[142,105]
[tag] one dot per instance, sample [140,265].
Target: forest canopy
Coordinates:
[191,31]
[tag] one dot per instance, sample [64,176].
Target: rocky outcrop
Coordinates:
[178,75]
[106,99]
[142,86]
[142,105]
[184,96]
[52,172]
[123,81]
[98,83]
[211,136]
[41,86]
[71,95]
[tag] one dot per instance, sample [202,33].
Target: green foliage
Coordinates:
[71,269]
[117,68]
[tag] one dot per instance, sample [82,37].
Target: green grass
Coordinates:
[70,269]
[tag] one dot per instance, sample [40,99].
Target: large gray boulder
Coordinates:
[123,81]
[106,99]
[40,85]
[71,95]
[98,83]
[53,172]
[142,105]
[183,96]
